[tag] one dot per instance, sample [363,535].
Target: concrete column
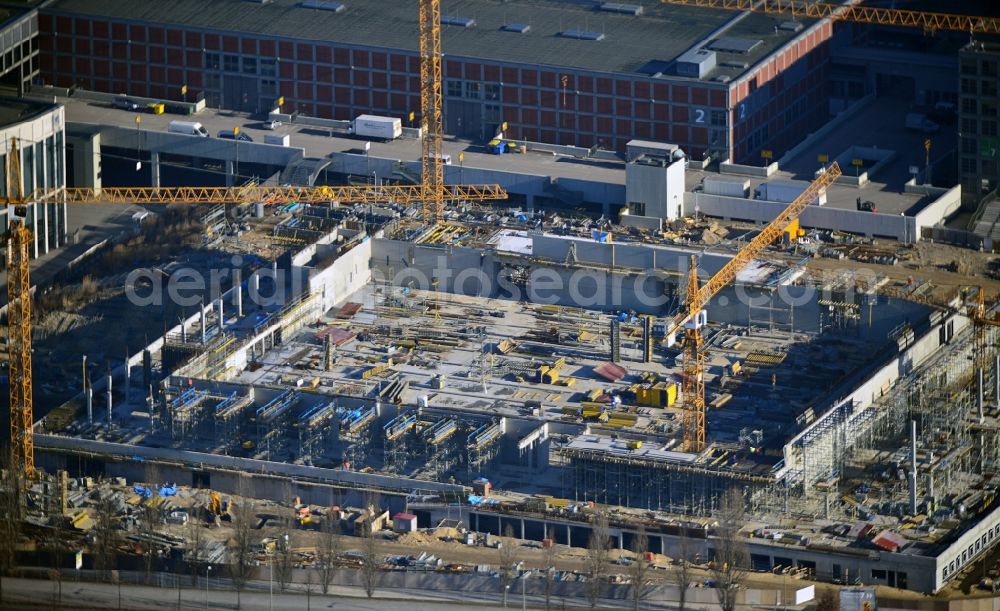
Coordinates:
[230,171]
[913,467]
[996,380]
[203,323]
[522,529]
[108,394]
[569,541]
[45,226]
[238,285]
[222,316]
[254,284]
[90,405]
[85,373]
[154,164]
[34,230]
[128,378]
[979,395]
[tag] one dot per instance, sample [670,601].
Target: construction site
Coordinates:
[423,356]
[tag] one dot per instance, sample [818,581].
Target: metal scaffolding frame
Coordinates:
[482,445]
[439,446]
[355,431]
[397,438]
[228,417]
[313,426]
[272,419]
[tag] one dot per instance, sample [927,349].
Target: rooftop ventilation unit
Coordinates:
[517,28]
[734,45]
[696,63]
[790,26]
[722,78]
[618,7]
[324,5]
[735,64]
[462,22]
[582,35]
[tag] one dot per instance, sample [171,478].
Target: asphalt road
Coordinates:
[33,594]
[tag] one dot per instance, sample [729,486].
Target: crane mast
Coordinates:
[928,21]
[19,320]
[694,317]
[431,103]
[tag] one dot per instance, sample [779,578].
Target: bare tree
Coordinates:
[680,572]
[283,564]
[371,564]
[195,537]
[11,505]
[597,557]
[327,549]
[105,537]
[507,552]
[549,559]
[150,517]
[242,511]
[729,564]
[828,600]
[56,576]
[639,569]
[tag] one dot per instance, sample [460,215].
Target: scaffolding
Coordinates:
[482,445]
[658,485]
[439,451]
[228,418]
[271,420]
[397,441]
[313,426]
[355,431]
[186,411]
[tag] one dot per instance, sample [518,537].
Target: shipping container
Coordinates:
[785,191]
[277,139]
[381,128]
[729,186]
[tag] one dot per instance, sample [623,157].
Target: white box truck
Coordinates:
[189,128]
[277,139]
[785,191]
[380,128]
[729,186]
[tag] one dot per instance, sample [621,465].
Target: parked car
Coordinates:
[124,103]
[228,134]
[272,125]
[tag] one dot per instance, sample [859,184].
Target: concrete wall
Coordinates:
[939,210]
[348,274]
[818,217]
[206,148]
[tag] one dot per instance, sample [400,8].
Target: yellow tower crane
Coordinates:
[431,103]
[693,317]
[432,193]
[19,320]
[929,21]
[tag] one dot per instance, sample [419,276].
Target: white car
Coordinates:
[271,125]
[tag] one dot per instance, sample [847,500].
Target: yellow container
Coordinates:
[156,108]
[671,395]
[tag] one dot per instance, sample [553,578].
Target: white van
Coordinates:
[189,128]
[444,157]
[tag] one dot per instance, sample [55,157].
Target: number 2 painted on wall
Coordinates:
[699,115]
[743,111]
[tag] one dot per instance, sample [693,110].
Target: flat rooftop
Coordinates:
[630,44]
[319,142]
[16,110]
